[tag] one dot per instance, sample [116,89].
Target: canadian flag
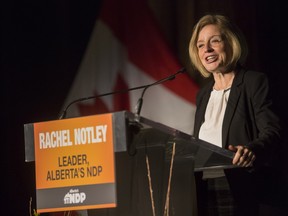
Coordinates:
[126,50]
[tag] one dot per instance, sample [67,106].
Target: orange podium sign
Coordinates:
[74,164]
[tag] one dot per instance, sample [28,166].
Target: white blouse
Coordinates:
[211,129]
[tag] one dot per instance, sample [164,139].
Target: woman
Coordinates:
[234,111]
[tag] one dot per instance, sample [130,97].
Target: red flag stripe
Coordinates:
[130,32]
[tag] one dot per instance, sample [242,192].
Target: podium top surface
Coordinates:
[204,154]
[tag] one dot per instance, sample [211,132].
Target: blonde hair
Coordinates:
[235,43]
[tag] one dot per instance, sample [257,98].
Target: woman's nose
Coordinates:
[208,47]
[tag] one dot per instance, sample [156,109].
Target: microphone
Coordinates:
[140,100]
[171,77]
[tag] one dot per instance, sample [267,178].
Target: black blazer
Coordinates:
[249,119]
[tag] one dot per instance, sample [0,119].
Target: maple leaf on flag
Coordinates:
[120,102]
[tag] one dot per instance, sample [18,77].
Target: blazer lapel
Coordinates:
[201,108]
[231,106]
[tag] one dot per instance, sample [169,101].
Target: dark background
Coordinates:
[42,43]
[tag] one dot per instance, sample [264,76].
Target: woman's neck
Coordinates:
[223,80]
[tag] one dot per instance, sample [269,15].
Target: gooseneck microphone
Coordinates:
[63,114]
[140,100]
[139,104]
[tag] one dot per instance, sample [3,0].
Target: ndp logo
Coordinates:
[74,197]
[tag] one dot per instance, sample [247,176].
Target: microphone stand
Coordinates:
[140,101]
[63,114]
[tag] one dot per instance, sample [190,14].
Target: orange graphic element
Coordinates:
[76,151]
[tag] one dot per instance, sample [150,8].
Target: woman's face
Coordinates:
[211,49]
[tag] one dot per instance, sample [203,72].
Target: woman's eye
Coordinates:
[215,41]
[200,45]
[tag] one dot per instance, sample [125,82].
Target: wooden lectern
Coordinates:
[154,169]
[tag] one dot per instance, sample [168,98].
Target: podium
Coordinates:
[154,166]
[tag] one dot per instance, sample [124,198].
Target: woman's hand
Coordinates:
[244,157]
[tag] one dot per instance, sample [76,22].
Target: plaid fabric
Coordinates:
[214,197]
[220,201]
